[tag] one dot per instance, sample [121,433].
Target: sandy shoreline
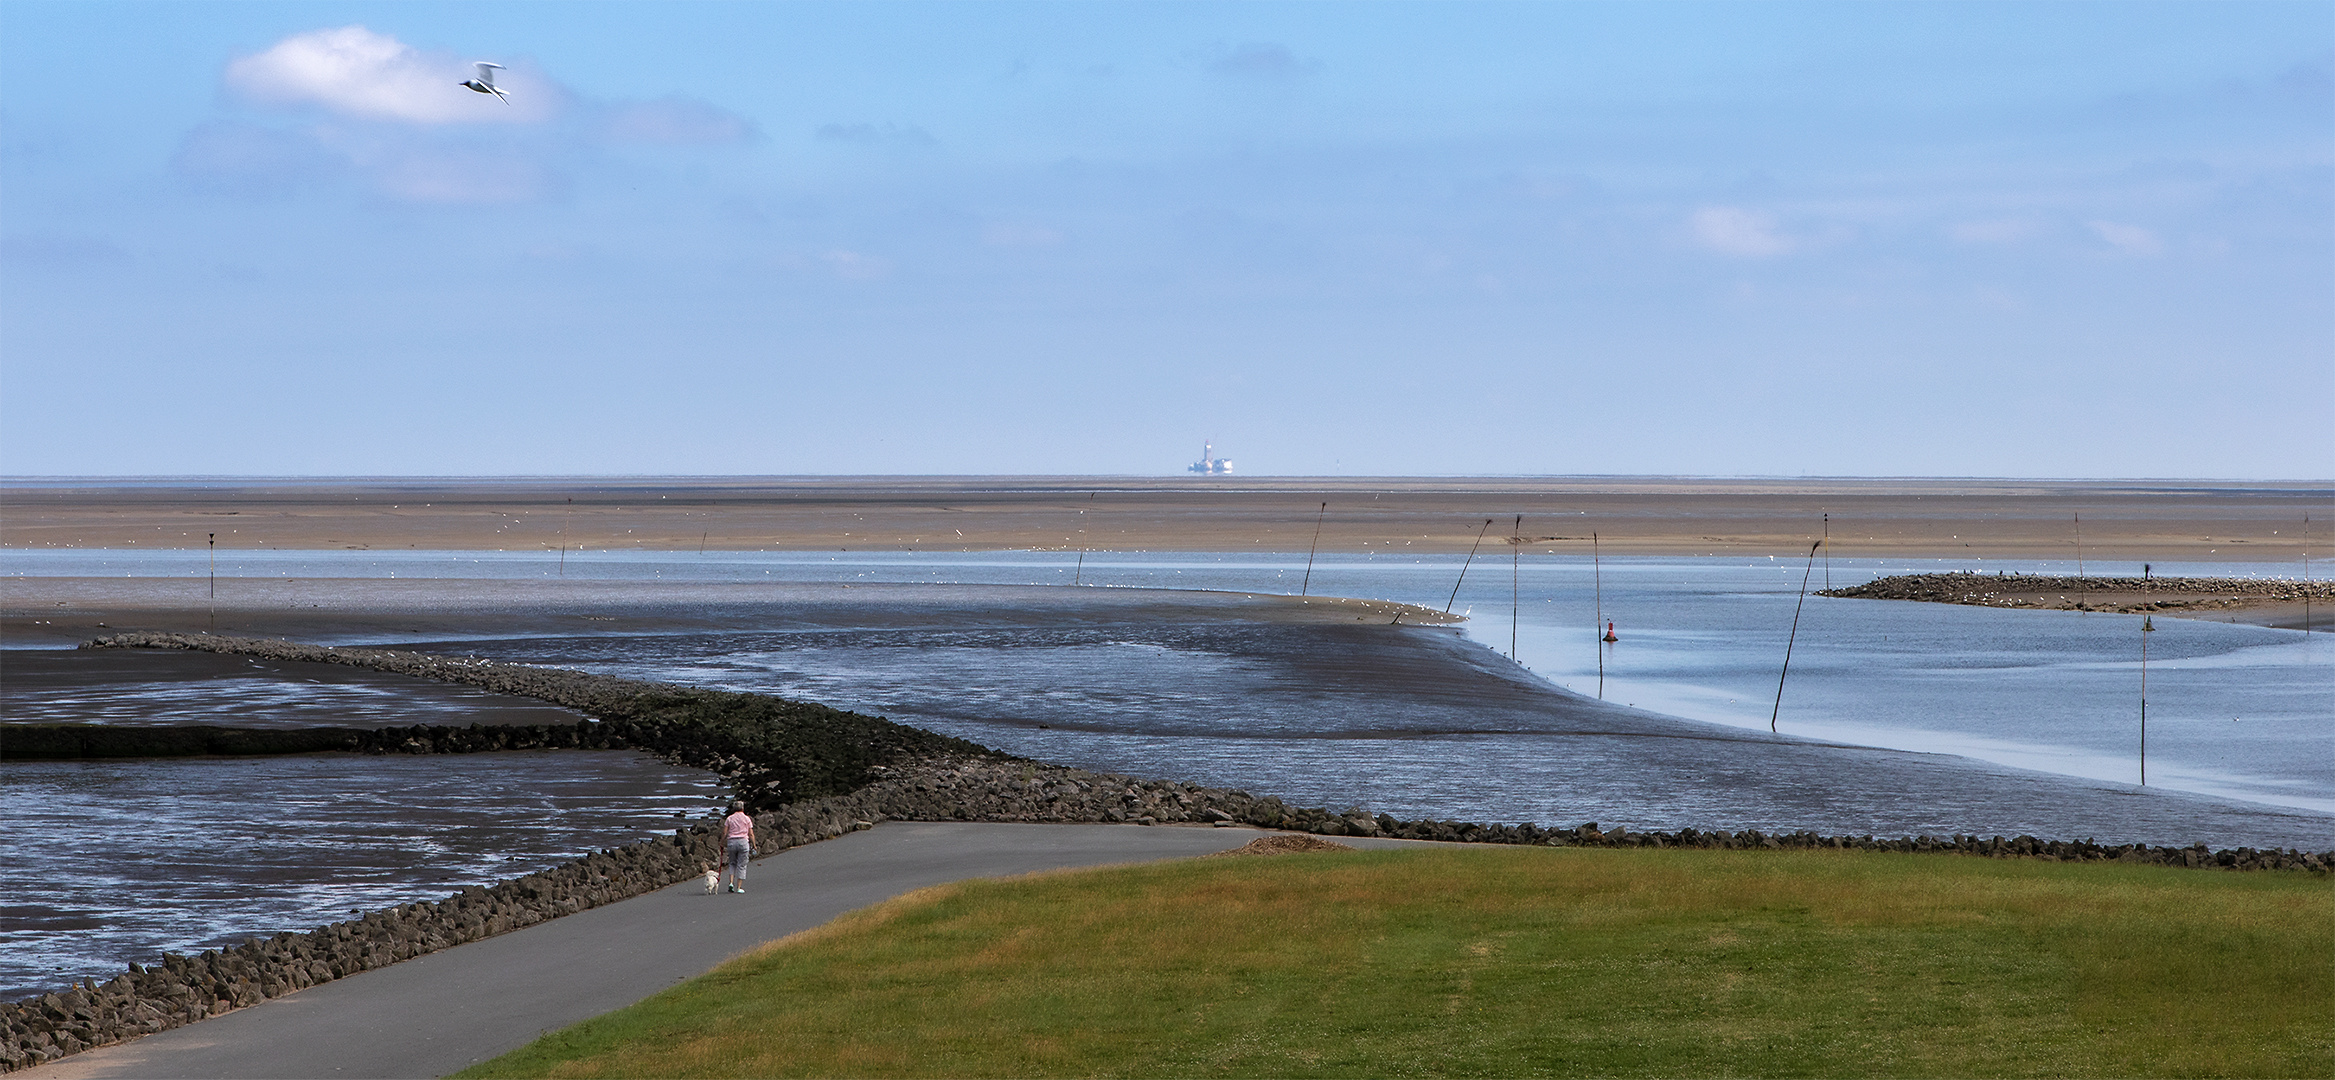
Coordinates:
[2161,521]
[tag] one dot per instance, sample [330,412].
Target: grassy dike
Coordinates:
[1514,961]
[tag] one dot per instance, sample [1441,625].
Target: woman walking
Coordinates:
[738,842]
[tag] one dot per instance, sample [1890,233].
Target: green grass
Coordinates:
[1509,961]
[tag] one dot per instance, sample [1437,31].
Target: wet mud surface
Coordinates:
[109,862]
[1414,723]
[134,686]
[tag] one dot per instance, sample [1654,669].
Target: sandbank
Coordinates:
[60,612]
[2132,520]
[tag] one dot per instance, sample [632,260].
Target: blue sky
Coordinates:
[1862,239]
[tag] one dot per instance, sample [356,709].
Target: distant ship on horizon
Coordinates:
[1209,464]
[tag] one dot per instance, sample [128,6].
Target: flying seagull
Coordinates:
[485,83]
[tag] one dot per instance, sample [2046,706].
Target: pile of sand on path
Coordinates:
[1285,844]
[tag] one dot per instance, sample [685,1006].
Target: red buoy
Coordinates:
[1609,633]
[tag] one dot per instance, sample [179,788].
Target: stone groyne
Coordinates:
[763,745]
[901,773]
[2135,595]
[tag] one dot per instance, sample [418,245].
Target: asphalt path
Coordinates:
[445,1011]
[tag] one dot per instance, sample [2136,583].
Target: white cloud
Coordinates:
[354,71]
[2129,239]
[1731,230]
[397,114]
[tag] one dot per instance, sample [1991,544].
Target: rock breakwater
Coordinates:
[2136,595]
[764,745]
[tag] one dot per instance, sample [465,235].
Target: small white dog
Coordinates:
[713,881]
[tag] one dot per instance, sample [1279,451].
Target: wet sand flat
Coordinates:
[146,687]
[109,862]
[2208,521]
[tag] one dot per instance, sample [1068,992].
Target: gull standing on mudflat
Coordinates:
[485,82]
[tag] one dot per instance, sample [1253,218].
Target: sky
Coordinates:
[1866,239]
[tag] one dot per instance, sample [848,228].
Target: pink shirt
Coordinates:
[737,827]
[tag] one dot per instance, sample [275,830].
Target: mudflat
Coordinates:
[57,612]
[2129,520]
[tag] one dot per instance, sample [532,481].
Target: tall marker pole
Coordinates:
[1795,636]
[1471,561]
[2147,627]
[1078,572]
[1515,584]
[2083,588]
[1317,544]
[1597,632]
[214,604]
[1827,546]
[2306,575]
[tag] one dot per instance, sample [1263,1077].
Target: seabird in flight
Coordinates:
[485,83]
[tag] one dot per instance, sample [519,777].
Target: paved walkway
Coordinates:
[445,1011]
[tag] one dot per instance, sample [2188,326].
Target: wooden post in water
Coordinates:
[1515,584]
[1597,631]
[1078,570]
[2306,575]
[2147,627]
[214,604]
[1827,545]
[2083,588]
[1795,636]
[1317,544]
[1471,561]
